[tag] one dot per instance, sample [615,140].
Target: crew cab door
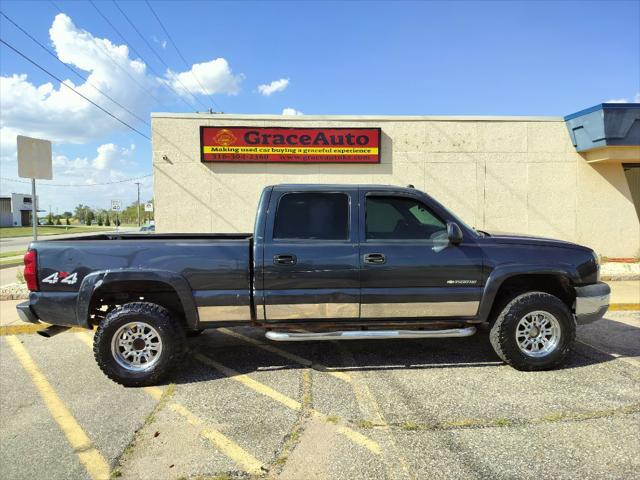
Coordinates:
[310,264]
[409,269]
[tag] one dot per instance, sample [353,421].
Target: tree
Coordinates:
[107,222]
[67,221]
[99,220]
[58,222]
[49,219]
[89,217]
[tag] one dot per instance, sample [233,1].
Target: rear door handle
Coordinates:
[286,259]
[375,258]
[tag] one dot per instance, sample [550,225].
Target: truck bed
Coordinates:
[206,261]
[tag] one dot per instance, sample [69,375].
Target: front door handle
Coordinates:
[286,259]
[375,258]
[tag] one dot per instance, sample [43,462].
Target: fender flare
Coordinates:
[502,273]
[98,279]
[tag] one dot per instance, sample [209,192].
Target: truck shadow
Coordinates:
[245,351]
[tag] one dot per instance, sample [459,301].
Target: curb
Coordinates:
[623,307]
[10,265]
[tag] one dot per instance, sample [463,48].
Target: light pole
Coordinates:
[138,204]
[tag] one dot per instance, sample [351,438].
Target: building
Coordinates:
[15,210]
[574,178]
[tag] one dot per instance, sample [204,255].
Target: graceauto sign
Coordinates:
[289,145]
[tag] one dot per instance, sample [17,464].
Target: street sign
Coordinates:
[34,162]
[148,207]
[34,158]
[116,205]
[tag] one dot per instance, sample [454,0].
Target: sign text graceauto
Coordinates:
[290,145]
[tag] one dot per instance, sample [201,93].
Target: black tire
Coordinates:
[503,331]
[169,330]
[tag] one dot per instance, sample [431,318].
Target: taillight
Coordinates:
[30,270]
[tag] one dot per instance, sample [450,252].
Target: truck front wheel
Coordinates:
[535,331]
[137,344]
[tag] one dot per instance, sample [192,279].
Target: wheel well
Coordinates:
[112,295]
[556,285]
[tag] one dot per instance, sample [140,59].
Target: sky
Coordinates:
[387,58]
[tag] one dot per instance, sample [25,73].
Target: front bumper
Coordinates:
[592,302]
[26,314]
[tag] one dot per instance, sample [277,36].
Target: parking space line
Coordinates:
[93,461]
[219,441]
[369,406]
[345,377]
[290,403]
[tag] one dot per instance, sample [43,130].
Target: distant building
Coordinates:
[15,210]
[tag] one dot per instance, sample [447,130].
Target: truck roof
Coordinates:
[339,186]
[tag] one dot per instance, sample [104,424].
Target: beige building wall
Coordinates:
[513,174]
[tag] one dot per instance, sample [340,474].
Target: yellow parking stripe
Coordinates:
[28,328]
[93,461]
[263,389]
[20,329]
[220,441]
[290,356]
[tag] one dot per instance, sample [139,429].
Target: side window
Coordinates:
[314,216]
[398,218]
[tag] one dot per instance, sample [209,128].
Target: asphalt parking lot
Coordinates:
[243,407]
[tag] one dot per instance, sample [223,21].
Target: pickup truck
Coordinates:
[324,262]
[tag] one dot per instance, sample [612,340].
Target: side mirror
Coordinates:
[454,233]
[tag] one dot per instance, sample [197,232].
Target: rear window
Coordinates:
[314,216]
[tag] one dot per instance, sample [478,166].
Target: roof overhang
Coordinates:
[606,132]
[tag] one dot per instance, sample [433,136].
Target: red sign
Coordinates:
[289,145]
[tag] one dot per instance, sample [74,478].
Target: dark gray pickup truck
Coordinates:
[325,262]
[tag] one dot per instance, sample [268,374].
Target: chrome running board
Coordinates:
[368,334]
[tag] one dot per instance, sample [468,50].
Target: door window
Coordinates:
[400,218]
[312,216]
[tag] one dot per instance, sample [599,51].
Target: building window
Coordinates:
[26,200]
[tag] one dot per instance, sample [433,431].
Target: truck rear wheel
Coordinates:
[138,343]
[534,331]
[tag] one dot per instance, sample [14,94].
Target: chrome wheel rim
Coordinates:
[538,334]
[136,346]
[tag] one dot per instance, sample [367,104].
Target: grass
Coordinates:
[11,254]
[365,424]
[333,419]
[410,426]
[12,232]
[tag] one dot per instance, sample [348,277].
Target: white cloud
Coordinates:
[206,78]
[273,87]
[59,114]
[162,43]
[636,99]
[291,111]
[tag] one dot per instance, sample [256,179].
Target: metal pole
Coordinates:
[138,204]
[34,210]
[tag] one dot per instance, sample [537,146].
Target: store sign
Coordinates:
[289,145]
